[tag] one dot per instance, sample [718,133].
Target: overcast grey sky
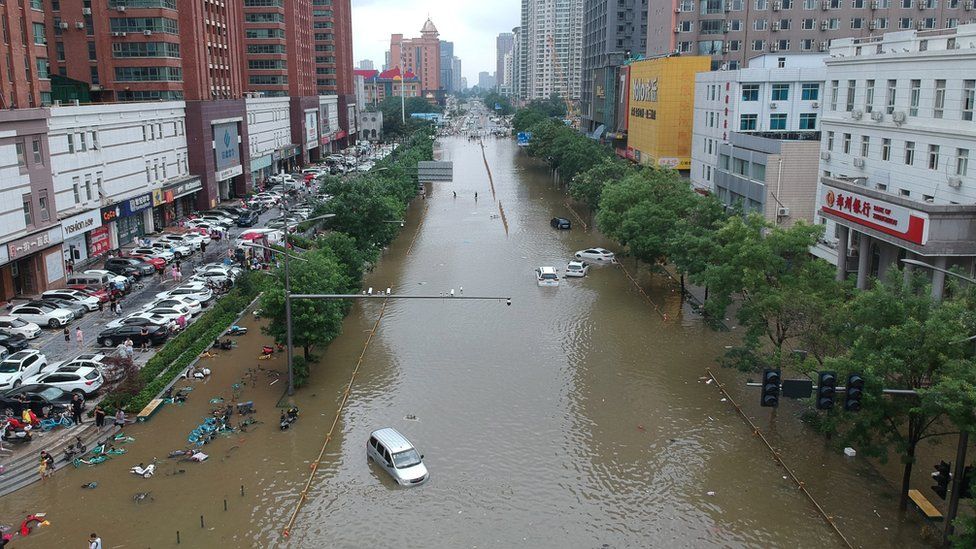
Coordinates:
[471,24]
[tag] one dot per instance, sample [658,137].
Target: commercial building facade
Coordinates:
[380,85]
[613,31]
[550,53]
[661,110]
[898,135]
[420,56]
[270,144]
[732,31]
[447,66]
[504,43]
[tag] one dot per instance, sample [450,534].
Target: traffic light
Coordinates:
[826,389]
[942,476]
[770,388]
[855,390]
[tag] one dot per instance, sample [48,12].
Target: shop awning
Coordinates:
[598,132]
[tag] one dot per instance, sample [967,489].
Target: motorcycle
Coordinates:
[144,471]
[287,418]
[15,431]
[76,448]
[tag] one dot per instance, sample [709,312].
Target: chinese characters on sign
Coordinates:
[892,219]
[33,243]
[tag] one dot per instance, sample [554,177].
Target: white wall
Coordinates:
[268,124]
[124,149]
[329,121]
[13,186]
[719,104]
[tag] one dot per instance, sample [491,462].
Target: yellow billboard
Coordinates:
[662,110]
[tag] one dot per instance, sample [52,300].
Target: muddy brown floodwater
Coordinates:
[573,418]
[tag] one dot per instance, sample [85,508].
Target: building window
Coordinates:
[94,139]
[933,157]
[759,24]
[747,122]
[781,92]
[76,188]
[913,97]
[962,161]
[21,155]
[851,86]
[869,96]
[36,149]
[890,98]
[84,141]
[810,91]
[830,141]
[968,98]
[750,92]
[909,153]
[808,121]
[28,214]
[865,146]
[777,121]
[885,149]
[758,45]
[834,84]
[847,143]
[42,201]
[940,91]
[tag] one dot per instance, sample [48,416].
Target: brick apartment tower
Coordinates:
[421,56]
[332,34]
[107,50]
[278,38]
[25,82]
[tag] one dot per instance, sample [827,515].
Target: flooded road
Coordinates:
[575,417]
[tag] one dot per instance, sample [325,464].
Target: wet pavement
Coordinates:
[576,417]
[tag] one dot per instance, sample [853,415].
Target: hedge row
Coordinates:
[180,351]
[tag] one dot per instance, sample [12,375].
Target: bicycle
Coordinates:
[51,424]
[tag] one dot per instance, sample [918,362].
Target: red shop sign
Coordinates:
[99,242]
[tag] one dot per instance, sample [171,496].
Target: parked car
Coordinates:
[560,223]
[16,368]
[546,276]
[196,291]
[172,311]
[192,305]
[99,293]
[52,317]
[224,222]
[119,278]
[576,269]
[392,452]
[82,380]
[113,336]
[38,398]
[92,360]
[150,256]
[595,255]
[74,295]
[234,211]
[13,342]
[129,266]
[77,309]
[248,218]
[139,319]
[180,240]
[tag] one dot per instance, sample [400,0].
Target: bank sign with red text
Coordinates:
[897,221]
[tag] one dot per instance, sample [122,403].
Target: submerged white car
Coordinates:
[576,269]
[546,276]
[596,255]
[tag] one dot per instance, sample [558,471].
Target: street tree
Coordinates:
[588,185]
[361,209]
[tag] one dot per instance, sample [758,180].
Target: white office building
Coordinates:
[268,135]
[756,135]
[552,46]
[898,133]
[120,171]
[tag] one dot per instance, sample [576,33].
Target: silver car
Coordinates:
[394,453]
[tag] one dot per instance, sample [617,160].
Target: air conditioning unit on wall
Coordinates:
[782,212]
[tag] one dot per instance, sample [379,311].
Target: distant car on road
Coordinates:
[560,223]
[546,276]
[397,456]
[248,218]
[596,255]
[576,269]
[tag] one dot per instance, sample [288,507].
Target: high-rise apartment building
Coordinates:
[274,33]
[518,62]
[613,31]
[486,81]
[732,31]
[447,66]
[456,84]
[26,80]
[420,56]
[552,40]
[366,65]
[504,43]
[112,50]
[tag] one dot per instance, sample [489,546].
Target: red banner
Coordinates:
[99,241]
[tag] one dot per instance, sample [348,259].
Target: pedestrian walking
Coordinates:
[120,418]
[181,321]
[70,266]
[99,416]
[144,333]
[94,542]
[77,405]
[67,338]
[179,276]
[455,194]
[46,465]
[101,307]
[203,249]
[79,337]
[476,196]
[128,347]
[118,309]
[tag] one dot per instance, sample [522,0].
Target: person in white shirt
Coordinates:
[94,542]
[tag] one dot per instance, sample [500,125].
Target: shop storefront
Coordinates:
[261,168]
[32,264]
[227,158]
[129,219]
[285,159]
[174,202]
[75,232]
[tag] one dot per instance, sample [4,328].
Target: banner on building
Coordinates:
[226,146]
[80,224]
[888,218]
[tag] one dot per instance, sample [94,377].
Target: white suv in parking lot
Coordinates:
[19,366]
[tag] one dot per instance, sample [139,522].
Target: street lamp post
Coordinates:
[953,508]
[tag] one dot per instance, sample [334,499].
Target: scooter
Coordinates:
[145,472]
[76,448]
[287,418]
[16,432]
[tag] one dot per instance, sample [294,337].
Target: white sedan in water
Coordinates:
[596,255]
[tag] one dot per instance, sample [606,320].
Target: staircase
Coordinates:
[20,467]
